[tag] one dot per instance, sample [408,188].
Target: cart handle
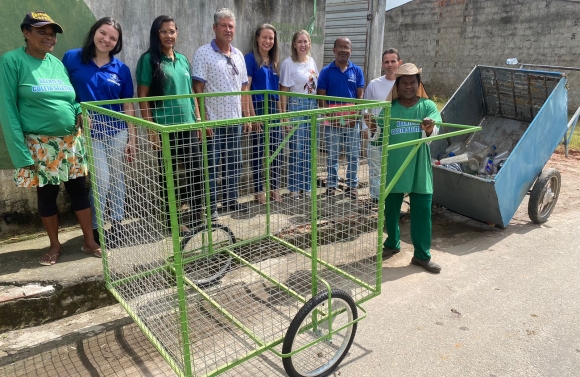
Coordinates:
[570,130]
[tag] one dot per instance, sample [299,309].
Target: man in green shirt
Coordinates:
[417,179]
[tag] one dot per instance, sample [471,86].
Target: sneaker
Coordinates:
[427,265]
[389,252]
[351,192]
[330,191]
[214,213]
[294,195]
[237,207]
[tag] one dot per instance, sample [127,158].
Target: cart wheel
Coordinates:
[203,266]
[544,195]
[315,320]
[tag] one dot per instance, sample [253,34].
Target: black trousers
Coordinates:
[187,165]
[77,190]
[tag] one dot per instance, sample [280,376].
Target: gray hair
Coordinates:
[223,13]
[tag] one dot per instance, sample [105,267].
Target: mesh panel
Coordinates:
[216,233]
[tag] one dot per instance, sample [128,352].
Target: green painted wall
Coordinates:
[74,16]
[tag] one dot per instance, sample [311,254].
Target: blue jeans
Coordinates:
[225,157]
[258,162]
[299,162]
[350,138]
[109,156]
[375,154]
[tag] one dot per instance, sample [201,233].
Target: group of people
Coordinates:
[41,120]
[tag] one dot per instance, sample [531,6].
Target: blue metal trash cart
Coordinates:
[524,111]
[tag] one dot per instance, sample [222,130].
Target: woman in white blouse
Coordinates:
[299,74]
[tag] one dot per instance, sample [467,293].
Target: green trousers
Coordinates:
[420,222]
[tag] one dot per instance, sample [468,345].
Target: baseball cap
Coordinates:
[39,19]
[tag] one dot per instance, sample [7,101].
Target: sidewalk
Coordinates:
[503,306]
[31,294]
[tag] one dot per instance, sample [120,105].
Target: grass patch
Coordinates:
[439,101]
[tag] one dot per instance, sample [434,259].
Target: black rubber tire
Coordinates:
[208,270]
[544,195]
[295,364]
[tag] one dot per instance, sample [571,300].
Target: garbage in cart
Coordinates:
[475,158]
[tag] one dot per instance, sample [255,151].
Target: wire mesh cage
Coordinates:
[226,238]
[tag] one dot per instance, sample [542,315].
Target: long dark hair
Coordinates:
[273,53]
[158,79]
[88,51]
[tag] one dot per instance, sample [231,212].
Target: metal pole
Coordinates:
[376,33]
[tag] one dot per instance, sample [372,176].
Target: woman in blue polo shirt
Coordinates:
[262,67]
[97,75]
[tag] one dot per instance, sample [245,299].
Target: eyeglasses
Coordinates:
[234,68]
[343,48]
[170,32]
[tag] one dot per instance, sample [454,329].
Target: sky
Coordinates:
[395,3]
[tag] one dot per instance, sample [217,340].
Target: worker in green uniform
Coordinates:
[417,179]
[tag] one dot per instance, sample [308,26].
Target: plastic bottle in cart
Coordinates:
[456,148]
[459,159]
[453,166]
[486,162]
[473,164]
[479,149]
[501,156]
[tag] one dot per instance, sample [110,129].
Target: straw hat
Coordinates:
[408,69]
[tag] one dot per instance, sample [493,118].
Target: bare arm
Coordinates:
[282,105]
[130,147]
[321,102]
[246,104]
[145,107]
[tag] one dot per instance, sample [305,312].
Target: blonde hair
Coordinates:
[273,53]
[293,50]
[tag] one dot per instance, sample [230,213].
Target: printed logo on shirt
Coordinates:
[351,77]
[405,128]
[114,79]
[51,85]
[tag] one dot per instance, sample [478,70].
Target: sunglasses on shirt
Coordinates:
[234,68]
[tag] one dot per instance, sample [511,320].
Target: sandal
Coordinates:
[276,196]
[96,252]
[51,259]
[260,197]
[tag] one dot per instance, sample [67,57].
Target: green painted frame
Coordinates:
[175,264]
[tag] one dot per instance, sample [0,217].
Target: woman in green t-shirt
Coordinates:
[162,71]
[42,126]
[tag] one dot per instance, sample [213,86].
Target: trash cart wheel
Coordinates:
[204,263]
[544,195]
[314,322]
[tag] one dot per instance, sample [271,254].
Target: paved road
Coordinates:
[506,304]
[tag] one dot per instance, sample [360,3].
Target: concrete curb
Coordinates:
[35,304]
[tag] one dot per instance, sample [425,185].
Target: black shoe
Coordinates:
[237,207]
[96,236]
[351,192]
[427,265]
[389,252]
[115,234]
[330,191]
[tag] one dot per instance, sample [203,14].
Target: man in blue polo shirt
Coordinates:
[341,78]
